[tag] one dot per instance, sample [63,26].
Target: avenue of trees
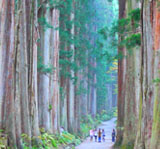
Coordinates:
[59,61]
[56,66]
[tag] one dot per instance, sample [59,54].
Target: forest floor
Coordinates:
[108,127]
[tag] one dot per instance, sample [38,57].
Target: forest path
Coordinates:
[108,127]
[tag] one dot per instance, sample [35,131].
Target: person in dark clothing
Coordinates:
[113,135]
[99,135]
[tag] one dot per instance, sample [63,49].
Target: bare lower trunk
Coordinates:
[55,78]
[33,92]
[44,77]
[93,92]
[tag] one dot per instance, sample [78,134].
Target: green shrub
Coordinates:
[84,129]
[115,112]
[88,123]
[105,116]
[3,139]
[127,147]
[49,141]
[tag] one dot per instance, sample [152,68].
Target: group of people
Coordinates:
[100,135]
[97,134]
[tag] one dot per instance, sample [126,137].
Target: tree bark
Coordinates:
[71,99]
[55,116]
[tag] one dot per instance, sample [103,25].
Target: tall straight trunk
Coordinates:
[77,106]
[63,103]
[63,95]
[121,80]
[22,68]
[109,93]
[55,77]
[84,99]
[71,97]
[33,92]
[95,97]
[93,91]
[155,142]
[44,77]
[3,16]
[7,119]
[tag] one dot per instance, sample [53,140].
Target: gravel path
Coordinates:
[108,126]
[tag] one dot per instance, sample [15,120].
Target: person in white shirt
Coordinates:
[103,135]
[95,135]
[61,130]
[91,134]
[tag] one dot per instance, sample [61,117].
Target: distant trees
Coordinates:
[79,54]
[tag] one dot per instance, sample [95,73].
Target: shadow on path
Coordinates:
[108,126]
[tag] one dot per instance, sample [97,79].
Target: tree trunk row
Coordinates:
[26,94]
[138,99]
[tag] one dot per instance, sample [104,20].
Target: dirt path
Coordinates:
[108,126]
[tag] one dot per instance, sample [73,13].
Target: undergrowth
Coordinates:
[50,141]
[3,139]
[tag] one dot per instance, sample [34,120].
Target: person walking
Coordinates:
[103,135]
[95,135]
[113,135]
[61,130]
[91,134]
[99,135]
